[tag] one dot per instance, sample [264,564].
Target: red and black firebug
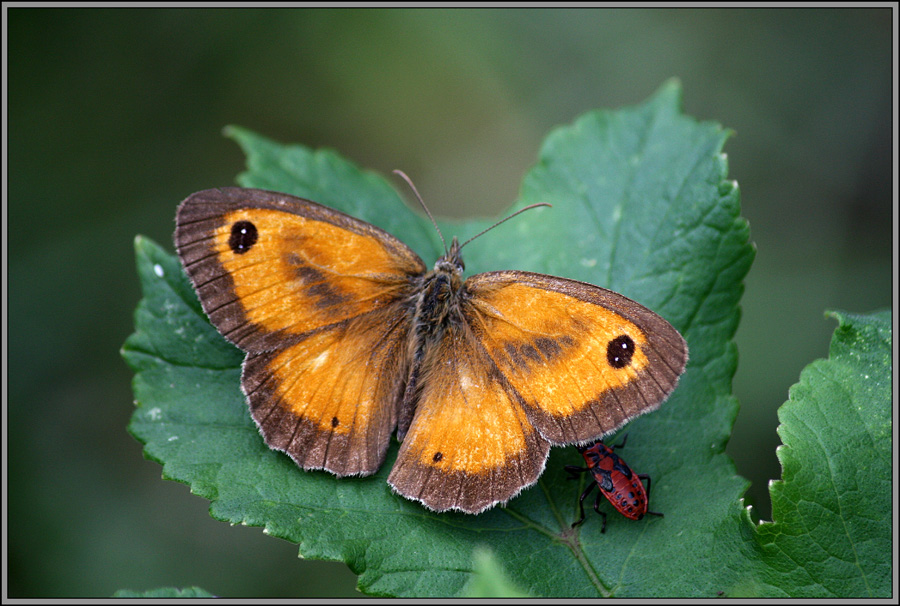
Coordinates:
[617,482]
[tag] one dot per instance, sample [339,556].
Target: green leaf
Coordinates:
[165,592]
[832,509]
[641,204]
[488,578]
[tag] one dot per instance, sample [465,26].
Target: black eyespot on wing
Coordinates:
[619,351]
[243,236]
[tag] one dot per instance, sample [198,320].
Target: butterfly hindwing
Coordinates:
[330,400]
[470,444]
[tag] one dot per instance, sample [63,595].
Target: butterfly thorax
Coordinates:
[438,300]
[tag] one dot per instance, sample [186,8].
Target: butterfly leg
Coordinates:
[584,495]
[646,478]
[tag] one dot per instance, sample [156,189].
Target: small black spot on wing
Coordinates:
[604,479]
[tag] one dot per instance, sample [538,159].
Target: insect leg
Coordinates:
[602,513]
[584,495]
[575,471]
[646,477]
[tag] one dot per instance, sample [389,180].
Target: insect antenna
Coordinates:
[481,233]
[422,202]
[518,212]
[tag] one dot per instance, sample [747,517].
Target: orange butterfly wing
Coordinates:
[584,359]
[330,400]
[320,301]
[470,444]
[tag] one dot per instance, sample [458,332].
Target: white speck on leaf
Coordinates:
[158,270]
[155,414]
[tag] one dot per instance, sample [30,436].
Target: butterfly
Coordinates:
[350,339]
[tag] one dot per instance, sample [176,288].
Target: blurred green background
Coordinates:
[115,115]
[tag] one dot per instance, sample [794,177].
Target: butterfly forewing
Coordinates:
[584,359]
[268,267]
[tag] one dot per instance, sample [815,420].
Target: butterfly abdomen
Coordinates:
[437,306]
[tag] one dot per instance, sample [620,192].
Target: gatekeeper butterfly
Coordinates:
[349,337]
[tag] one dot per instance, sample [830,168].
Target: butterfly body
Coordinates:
[615,481]
[437,306]
[350,339]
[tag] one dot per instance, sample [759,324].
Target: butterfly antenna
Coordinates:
[518,212]
[422,202]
